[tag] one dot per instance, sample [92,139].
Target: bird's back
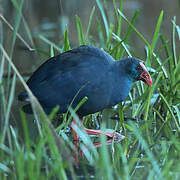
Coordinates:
[83,55]
[80,72]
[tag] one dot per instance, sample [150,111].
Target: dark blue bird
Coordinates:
[84,71]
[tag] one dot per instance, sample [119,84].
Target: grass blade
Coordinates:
[66,41]
[119,18]
[103,17]
[171,111]
[10,101]
[80,31]
[173,41]
[89,24]
[155,166]
[156,33]
[132,26]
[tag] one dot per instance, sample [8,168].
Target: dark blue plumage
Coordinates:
[80,72]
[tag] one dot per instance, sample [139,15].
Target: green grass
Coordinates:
[151,150]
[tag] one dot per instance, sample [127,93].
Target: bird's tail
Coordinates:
[28,109]
[23,96]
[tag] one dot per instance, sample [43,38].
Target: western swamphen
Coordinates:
[84,72]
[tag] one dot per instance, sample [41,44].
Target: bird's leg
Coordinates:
[75,135]
[108,142]
[109,133]
[75,143]
[115,137]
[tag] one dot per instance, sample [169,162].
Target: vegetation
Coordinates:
[149,118]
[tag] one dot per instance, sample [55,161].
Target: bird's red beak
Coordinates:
[145,76]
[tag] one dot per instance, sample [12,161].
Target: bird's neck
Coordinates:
[121,83]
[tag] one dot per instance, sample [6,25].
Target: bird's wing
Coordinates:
[59,79]
[66,61]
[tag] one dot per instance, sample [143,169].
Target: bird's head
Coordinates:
[137,71]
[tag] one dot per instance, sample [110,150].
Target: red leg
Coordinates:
[76,144]
[98,144]
[75,135]
[108,133]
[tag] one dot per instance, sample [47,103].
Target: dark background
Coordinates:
[51,18]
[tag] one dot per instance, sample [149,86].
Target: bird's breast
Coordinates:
[120,90]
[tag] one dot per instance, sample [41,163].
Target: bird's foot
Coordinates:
[108,132]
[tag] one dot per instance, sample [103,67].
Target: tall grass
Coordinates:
[149,117]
